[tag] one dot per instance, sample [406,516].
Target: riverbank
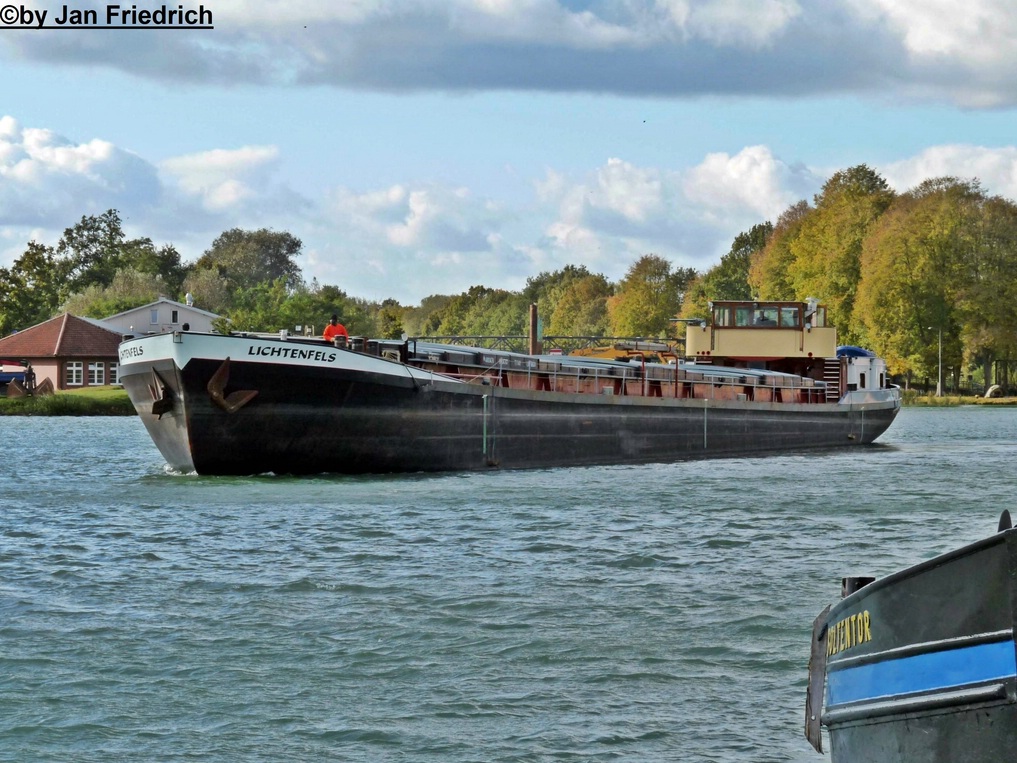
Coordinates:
[911,397]
[94,401]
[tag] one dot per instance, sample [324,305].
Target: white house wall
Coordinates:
[139,321]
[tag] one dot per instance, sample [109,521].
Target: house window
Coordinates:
[155,316]
[114,373]
[173,319]
[96,374]
[72,373]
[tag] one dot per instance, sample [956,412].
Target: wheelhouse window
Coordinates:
[743,316]
[73,373]
[173,316]
[722,316]
[154,316]
[783,315]
[96,374]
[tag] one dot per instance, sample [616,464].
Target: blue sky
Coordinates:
[425,146]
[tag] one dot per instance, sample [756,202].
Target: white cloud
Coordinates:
[996,168]
[223,179]
[935,50]
[418,218]
[977,32]
[46,179]
[632,192]
[752,23]
[961,52]
[619,211]
[752,182]
[410,239]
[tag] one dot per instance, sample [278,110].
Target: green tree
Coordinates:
[261,307]
[480,311]
[581,308]
[499,313]
[95,249]
[769,267]
[827,252]
[30,290]
[916,263]
[274,305]
[209,289]
[92,250]
[417,319]
[730,278]
[648,297]
[390,319]
[544,291]
[357,315]
[130,288]
[247,258]
[986,304]
[163,263]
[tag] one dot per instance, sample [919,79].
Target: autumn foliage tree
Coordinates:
[769,267]
[571,301]
[942,259]
[581,308]
[648,297]
[729,279]
[827,251]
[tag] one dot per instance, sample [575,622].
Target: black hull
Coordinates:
[311,420]
[922,665]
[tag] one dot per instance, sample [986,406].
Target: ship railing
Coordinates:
[509,343]
[570,344]
[654,381]
[559,344]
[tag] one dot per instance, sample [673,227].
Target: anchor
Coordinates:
[234,401]
[162,395]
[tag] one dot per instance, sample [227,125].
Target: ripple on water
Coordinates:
[532,616]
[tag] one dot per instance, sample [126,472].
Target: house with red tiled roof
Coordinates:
[71,352]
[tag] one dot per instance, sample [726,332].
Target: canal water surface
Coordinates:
[650,613]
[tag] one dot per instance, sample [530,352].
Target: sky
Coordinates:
[421,147]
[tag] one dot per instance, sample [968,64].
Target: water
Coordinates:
[655,613]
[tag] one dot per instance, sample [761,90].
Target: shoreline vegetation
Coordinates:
[113,401]
[93,401]
[909,398]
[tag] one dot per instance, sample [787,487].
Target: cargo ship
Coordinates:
[756,378]
[919,666]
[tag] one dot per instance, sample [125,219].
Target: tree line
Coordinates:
[897,271]
[901,273]
[252,279]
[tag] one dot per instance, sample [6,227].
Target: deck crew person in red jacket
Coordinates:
[334,329]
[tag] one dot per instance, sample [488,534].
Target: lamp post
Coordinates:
[939,369]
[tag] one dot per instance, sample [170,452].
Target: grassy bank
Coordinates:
[93,401]
[911,397]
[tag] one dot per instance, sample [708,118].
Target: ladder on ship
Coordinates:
[831,375]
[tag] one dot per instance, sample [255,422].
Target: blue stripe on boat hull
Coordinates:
[933,671]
